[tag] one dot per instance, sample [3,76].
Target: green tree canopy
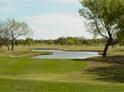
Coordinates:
[103,18]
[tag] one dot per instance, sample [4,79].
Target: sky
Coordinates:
[49,19]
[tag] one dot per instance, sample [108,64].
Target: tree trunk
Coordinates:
[7,46]
[106,49]
[1,46]
[12,45]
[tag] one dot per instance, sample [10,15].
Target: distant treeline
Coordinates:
[62,41]
[77,41]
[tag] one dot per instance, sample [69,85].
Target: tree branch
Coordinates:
[99,30]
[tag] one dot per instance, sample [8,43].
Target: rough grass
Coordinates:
[22,53]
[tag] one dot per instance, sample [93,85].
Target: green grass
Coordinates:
[22,53]
[37,66]
[11,85]
[34,75]
[20,73]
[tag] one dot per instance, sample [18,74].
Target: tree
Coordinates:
[60,41]
[120,34]
[4,38]
[103,16]
[15,30]
[29,41]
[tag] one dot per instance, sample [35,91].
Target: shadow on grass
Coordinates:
[113,72]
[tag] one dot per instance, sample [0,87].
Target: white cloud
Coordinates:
[49,25]
[52,26]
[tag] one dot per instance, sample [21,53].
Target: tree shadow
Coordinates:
[112,73]
[110,59]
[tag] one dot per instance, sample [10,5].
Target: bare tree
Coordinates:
[15,30]
[4,39]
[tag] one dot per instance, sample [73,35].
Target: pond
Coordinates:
[59,54]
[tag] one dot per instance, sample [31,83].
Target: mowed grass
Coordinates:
[21,73]
[15,66]
[34,75]
[11,85]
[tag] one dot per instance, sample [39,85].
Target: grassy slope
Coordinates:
[24,74]
[29,75]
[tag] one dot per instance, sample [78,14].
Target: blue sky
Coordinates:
[49,19]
